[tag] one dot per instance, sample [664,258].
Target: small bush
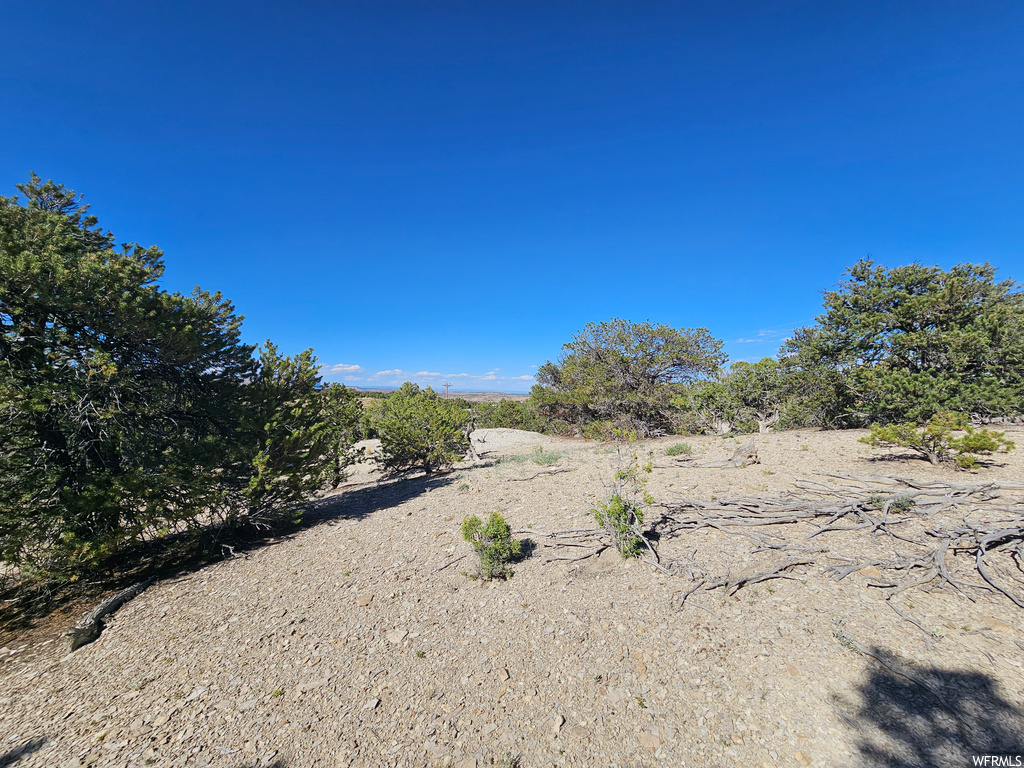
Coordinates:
[897,504]
[936,441]
[603,429]
[510,414]
[622,521]
[678,449]
[420,430]
[622,516]
[543,458]
[494,543]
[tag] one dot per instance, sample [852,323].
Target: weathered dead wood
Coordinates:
[743,455]
[592,553]
[989,541]
[929,635]
[450,562]
[554,471]
[866,506]
[89,627]
[733,585]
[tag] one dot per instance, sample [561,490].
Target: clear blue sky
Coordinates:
[457,188]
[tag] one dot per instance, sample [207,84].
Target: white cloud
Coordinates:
[341,368]
[762,335]
[466,381]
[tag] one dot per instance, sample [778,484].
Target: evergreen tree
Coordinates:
[906,343]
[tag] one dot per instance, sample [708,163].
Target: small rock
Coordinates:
[503,674]
[314,684]
[396,636]
[871,571]
[371,704]
[995,625]
[793,670]
[364,600]
[802,758]
[649,740]
[557,724]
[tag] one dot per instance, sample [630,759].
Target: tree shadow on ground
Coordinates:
[177,555]
[14,755]
[943,721]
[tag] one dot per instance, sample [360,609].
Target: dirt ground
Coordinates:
[363,640]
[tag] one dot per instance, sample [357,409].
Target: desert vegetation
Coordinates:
[133,417]
[133,413]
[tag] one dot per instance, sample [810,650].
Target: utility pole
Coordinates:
[446,390]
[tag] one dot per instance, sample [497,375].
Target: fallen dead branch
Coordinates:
[89,627]
[743,455]
[554,471]
[940,521]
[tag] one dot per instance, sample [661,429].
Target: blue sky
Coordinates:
[448,191]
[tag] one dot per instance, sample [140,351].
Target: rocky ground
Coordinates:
[364,640]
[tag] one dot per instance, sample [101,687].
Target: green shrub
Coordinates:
[897,504]
[622,515]
[602,429]
[543,458]
[494,543]
[622,521]
[298,439]
[678,449]
[419,430]
[510,414]
[937,442]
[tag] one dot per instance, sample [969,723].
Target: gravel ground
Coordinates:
[364,641]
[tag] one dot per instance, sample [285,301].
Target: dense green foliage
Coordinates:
[938,440]
[299,438]
[902,344]
[626,373]
[419,430]
[126,410]
[494,543]
[508,414]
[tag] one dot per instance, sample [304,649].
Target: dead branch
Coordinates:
[89,627]
[554,471]
[899,509]
[741,457]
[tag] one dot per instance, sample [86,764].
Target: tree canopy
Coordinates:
[126,409]
[905,343]
[625,370]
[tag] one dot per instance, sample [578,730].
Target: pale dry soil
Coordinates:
[349,644]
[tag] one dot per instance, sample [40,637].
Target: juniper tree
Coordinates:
[906,343]
[625,371]
[126,409]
